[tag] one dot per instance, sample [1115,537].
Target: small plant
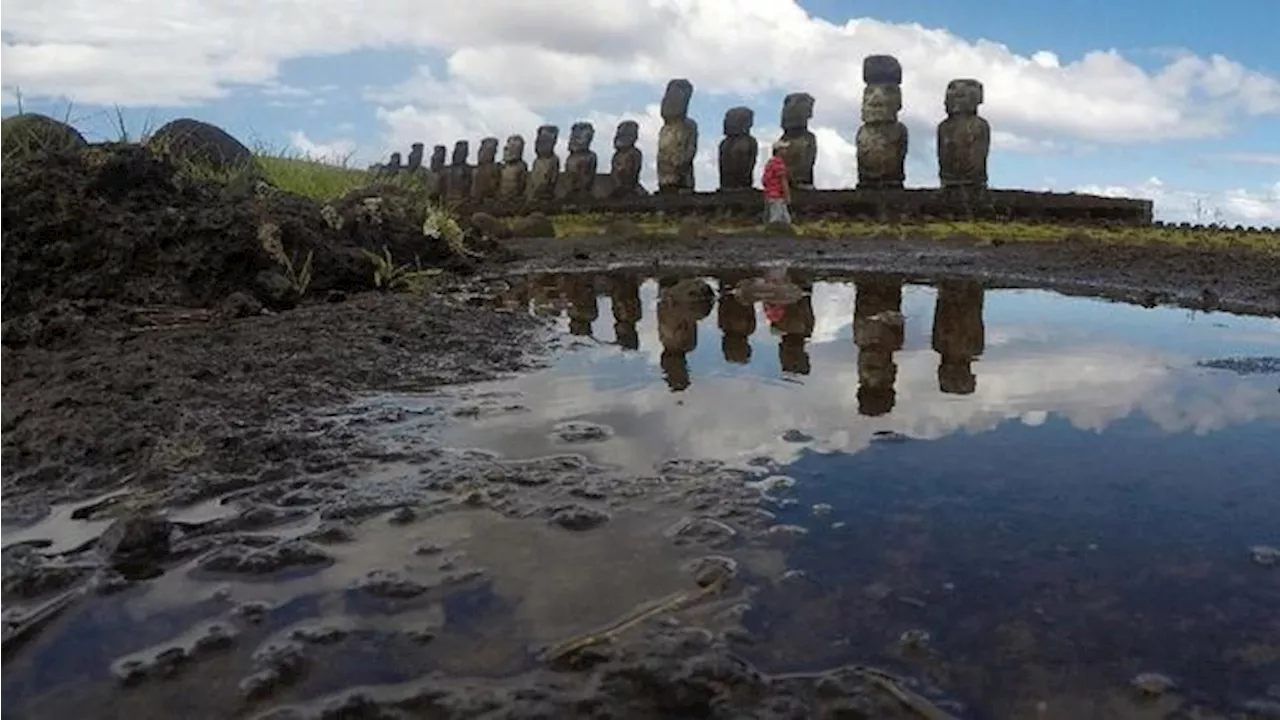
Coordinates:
[387,275]
[299,277]
[440,224]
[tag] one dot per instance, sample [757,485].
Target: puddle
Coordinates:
[1018,500]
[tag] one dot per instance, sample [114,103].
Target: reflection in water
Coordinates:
[878,331]
[583,306]
[624,296]
[958,334]
[678,333]
[736,320]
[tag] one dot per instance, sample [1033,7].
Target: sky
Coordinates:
[1173,100]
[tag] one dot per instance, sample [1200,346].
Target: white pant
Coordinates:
[776,212]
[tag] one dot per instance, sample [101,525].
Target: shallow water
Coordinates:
[1055,489]
[1019,498]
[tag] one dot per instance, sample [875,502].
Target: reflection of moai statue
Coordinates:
[579,174]
[514,170]
[624,296]
[580,291]
[801,145]
[678,139]
[678,316]
[546,165]
[737,322]
[882,140]
[394,162]
[738,150]
[627,160]
[878,331]
[964,138]
[458,175]
[795,326]
[958,334]
[416,152]
[435,179]
[488,176]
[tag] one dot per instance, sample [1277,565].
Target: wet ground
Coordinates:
[878,499]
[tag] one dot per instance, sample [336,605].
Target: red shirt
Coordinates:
[775,179]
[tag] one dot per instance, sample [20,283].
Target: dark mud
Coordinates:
[1236,280]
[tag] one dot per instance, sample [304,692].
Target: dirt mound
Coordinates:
[31,132]
[123,224]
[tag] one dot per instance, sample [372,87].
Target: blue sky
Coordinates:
[1165,100]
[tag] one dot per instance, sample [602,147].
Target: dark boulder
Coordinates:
[32,132]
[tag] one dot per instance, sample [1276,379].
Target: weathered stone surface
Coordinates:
[627,160]
[738,150]
[681,305]
[958,334]
[488,174]
[435,175]
[580,166]
[459,174]
[395,163]
[678,139]
[417,152]
[801,149]
[878,331]
[546,165]
[881,70]
[534,225]
[515,171]
[32,132]
[964,138]
[200,143]
[624,296]
[882,140]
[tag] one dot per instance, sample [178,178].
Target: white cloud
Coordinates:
[1247,158]
[337,151]
[1233,207]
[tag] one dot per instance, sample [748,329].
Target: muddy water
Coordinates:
[1016,501]
[1026,498]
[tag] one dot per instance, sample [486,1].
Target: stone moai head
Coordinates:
[580,136]
[415,156]
[513,151]
[627,135]
[544,145]
[881,70]
[461,149]
[437,157]
[881,103]
[488,152]
[738,121]
[675,101]
[394,161]
[797,110]
[963,96]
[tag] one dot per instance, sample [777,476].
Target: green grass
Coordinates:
[979,232]
[314,179]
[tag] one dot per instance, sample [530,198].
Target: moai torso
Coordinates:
[515,170]
[882,140]
[416,152]
[801,150]
[579,174]
[678,139]
[488,176]
[545,172]
[627,160]
[434,177]
[964,138]
[878,332]
[459,173]
[393,163]
[738,150]
[958,334]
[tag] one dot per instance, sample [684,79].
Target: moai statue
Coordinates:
[436,173]
[515,170]
[801,144]
[882,140]
[678,139]
[738,150]
[736,320]
[624,297]
[393,164]
[546,165]
[579,174]
[416,152]
[627,160]
[584,306]
[964,138]
[458,176]
[796,327]
[879,331]
[958,334]
[488,176]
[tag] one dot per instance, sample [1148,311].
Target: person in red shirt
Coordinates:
[777,188]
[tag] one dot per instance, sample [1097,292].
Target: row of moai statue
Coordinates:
[879,330]
[964,144]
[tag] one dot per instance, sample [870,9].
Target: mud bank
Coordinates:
[1234,280]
